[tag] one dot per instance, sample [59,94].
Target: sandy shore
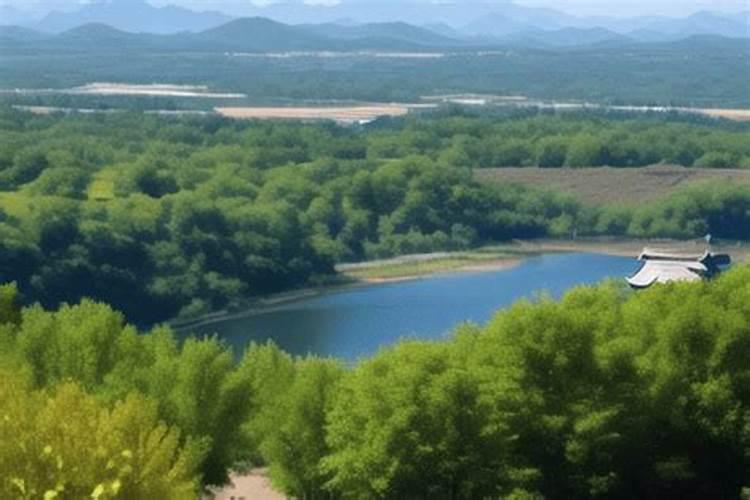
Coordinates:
[500,264]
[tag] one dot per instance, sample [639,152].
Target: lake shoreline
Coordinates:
[422,266]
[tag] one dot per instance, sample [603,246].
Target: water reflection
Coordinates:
[353,323]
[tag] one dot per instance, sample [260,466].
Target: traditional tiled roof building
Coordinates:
[664,267]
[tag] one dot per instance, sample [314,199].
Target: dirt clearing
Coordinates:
[253,485]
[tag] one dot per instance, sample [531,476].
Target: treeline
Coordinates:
[717,207]
[520,139]
[605,393]
[166,217]
[163,217]
[642,74]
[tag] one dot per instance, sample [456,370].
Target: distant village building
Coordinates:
[664,267]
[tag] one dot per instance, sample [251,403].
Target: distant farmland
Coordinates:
[613,185]
[739,115]
[352,114]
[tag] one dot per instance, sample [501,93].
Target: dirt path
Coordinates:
[254,485]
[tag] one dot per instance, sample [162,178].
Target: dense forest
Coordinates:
[606,393]
[701,71]
[163,217]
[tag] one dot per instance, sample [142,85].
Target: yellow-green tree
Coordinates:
[64,444]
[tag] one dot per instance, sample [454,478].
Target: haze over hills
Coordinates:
[240,35]
[273,62]
[258,34]
[567,37]
[396,31]
[134,16]
[460,20]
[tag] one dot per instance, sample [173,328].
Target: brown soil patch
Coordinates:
[352,114]
[740,115]
[612,185]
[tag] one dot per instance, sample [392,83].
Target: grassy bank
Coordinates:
[489,258]
[414,266]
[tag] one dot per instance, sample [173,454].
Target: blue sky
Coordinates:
[626,8]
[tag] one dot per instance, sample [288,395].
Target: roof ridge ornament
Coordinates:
[663,266]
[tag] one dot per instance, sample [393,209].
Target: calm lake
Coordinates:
[353,323]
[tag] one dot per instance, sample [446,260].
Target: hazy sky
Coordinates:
[628,8]
[677,8]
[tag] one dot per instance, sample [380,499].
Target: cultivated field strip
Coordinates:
[603,185]
[353,114]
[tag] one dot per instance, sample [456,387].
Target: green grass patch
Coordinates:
[17,204]
[102,187]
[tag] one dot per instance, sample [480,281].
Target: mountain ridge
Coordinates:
[397,30]
[257,34]
[469,19]
[136,16]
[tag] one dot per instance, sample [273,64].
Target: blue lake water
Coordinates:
[352,323]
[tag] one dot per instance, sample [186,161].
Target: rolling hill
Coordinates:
[466,19]
[20,34]
[136,16]
[700,23]
[99,37]
[259,34]
[254,34]
[395,31]
[567,37]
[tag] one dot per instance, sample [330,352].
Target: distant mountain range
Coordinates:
[389,31]
[137,16]
[265,35]
[135,24]
[406,20]
[239,35]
